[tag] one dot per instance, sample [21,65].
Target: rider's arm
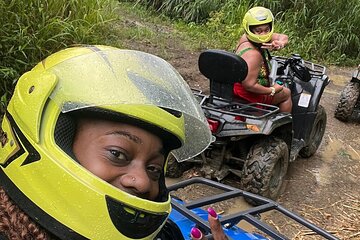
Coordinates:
[254,61]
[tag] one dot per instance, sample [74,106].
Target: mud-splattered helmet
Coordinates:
[38,169]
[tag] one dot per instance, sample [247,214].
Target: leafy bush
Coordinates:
[32,29]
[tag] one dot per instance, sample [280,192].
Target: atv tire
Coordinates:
[316,135]
[265,168]
[348,98]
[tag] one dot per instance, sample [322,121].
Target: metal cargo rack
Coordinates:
[249,215]
[236,109]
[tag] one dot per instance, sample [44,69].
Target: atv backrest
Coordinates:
[223,69]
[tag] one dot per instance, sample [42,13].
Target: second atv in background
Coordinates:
[348,106]
[255,141]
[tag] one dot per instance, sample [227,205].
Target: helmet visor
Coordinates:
[133,78]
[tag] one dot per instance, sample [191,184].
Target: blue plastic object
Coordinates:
[185,225]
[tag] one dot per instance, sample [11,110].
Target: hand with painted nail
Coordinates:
[215,225]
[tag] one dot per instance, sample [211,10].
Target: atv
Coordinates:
[255,141]
[349,103]
[186,215]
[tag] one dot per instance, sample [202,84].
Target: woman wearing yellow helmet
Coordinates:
[84,143]
[253,46]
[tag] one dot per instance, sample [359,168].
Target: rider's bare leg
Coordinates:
[283,100]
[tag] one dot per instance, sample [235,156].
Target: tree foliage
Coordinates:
[321,30]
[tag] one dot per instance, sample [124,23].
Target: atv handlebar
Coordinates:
[284,70]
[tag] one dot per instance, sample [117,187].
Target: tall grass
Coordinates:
[187,10]
[321,30]
[32,29]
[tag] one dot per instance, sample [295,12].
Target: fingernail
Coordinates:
[196,233]
[212,212]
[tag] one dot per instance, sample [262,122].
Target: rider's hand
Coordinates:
[274,45]
[216,228]
[278,88]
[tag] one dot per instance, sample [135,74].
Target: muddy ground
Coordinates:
[324,188]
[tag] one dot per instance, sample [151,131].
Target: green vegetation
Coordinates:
[32,29]
[322,31]
[319,30]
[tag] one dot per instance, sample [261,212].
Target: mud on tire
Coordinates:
[348,98]
[266,167]
[316,135]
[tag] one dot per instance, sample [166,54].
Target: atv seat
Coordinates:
[223,69]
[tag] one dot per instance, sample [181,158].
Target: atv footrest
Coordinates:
[296,146]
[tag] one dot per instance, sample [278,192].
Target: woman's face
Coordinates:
[125,156]
[261,29]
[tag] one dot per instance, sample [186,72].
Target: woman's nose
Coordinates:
[136,182]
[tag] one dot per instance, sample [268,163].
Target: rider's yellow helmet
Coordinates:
[38,169]
[258,16]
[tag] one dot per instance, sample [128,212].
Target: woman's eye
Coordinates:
[118,157]
[154,172]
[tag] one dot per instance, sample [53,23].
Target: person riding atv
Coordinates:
[263,110]
[255,141]
[253,47]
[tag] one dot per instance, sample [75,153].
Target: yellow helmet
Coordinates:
[258,16]
[38,169]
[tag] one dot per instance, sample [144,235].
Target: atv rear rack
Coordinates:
[249,215]
[236,109]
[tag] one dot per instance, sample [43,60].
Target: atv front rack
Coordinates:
[249,215]
[314,69]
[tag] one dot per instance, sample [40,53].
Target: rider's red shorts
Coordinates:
[240,91]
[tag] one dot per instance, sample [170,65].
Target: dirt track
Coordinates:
[325,188]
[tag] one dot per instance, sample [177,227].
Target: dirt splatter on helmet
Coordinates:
[38,169]
[258,16]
